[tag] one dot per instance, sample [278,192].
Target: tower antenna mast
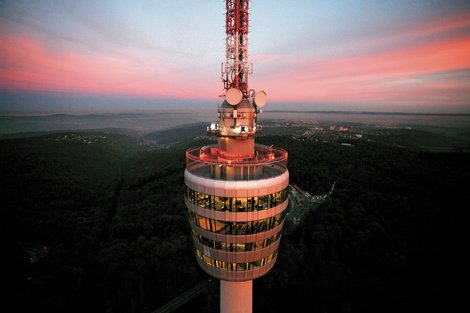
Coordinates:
[236,68]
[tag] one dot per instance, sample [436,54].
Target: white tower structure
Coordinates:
[237,191]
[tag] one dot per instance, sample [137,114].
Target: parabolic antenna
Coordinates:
[259,98]
[233,96]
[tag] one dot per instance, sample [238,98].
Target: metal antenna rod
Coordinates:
[236,68]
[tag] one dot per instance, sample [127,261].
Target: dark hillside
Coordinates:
[87,229]
[177,134]
[95,222]
[390,241]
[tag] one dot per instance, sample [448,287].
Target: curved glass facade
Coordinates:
[236,247]
[229,204]
[236,228]
[236,238]
[229,266]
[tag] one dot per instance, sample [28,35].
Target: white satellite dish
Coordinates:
[260,98]
[233,96]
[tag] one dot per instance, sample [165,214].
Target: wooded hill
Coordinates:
[95,222]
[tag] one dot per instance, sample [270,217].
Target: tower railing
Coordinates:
[209,163]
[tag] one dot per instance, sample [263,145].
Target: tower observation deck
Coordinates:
[237,191]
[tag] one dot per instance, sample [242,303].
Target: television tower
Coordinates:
[237,191]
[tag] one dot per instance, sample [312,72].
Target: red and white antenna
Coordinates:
[236,68]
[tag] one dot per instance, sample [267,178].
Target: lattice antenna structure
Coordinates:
[236,68]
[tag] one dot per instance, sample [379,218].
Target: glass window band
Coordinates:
[229,266]
[236,247]
[236,228]
[243,204]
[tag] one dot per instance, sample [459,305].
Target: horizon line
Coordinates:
[151,111]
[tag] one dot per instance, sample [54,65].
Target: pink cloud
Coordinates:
[393,76]
[28,65]
[409,73]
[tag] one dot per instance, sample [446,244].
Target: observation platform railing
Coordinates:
[208,162]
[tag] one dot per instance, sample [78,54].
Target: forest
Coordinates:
[96,222]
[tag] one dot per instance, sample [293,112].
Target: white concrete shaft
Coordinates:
[236,297]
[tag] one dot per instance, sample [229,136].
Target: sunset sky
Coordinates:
[407,56]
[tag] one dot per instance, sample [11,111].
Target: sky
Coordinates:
[406,56]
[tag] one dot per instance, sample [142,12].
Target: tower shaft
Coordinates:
[236,297]
[237,191]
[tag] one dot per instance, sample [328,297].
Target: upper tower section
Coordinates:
[238,113]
